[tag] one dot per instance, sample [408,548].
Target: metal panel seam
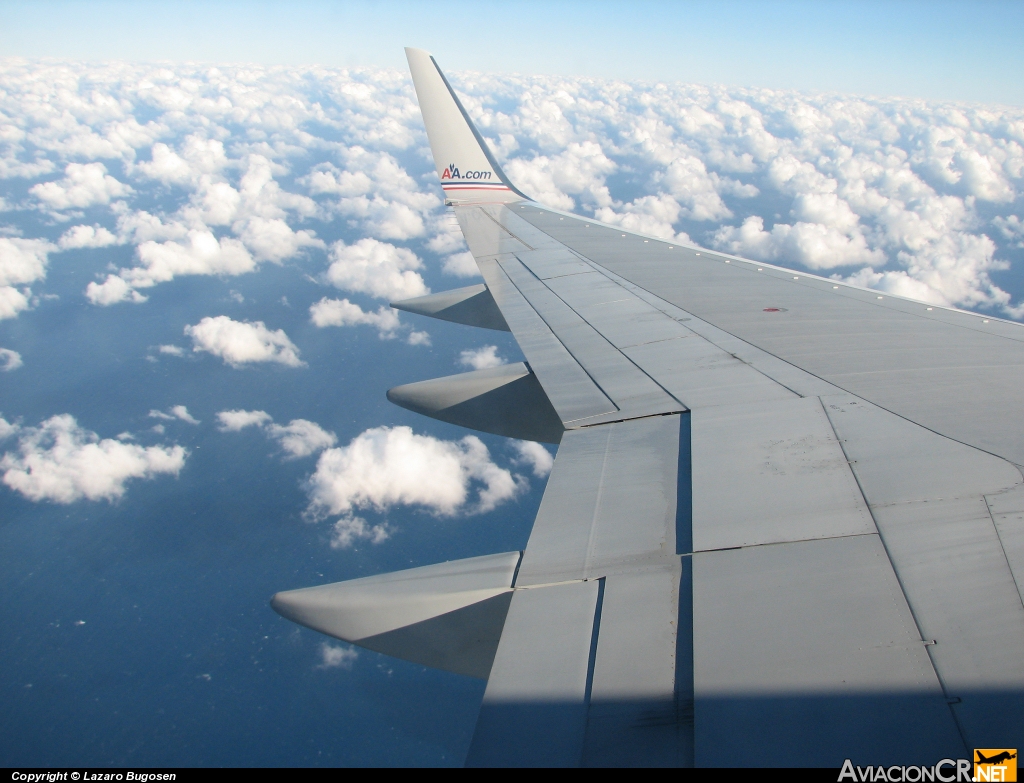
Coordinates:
[899,579]
[554,334]
[1002,546]
[592,661]
[588,557]
[685,687]
[691,317]
[684,486]
[776,543]
[596,331]
[515,574]
[511,282]
[506,230]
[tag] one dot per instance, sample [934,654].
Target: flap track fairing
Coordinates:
[506,400]
[471,306]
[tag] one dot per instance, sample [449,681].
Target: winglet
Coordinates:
[468,171]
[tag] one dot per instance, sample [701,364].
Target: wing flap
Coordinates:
[586,669]
[610,503]
[635,717]
[1007,509]
[534,711]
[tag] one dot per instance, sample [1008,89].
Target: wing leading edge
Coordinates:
[785,524]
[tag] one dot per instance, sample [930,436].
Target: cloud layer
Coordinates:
[250,163]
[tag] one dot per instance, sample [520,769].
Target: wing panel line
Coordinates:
[899,581]
[611,347]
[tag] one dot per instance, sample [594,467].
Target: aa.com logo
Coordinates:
[990,764]
[452,172]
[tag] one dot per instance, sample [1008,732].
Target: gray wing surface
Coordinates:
[785,524]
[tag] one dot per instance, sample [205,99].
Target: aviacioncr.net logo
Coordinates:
[945,771]
[452,172]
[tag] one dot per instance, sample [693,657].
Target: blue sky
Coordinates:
[938,50]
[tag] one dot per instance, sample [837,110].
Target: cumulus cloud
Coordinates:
[200,253]
[481,358]
[418,338]
[533,455]
[86,236]
[333,656]
[341,312]
[1012,228]
[63,462]
[166,165]
[388,466]
[461,265]
[9,360]
[22,261]
[7,429]
[651,215]
[350,529]
[111,291]
[243,342]
[185,244]
[172,350]
[236,420]
[12,302]
[815,245]
[376,268]
[84,185]
[298,438]
[180,411]
[198,156]
[374,192]
[580,169]
[272,239]
[176,412]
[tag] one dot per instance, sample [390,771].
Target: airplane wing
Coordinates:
[785,524]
